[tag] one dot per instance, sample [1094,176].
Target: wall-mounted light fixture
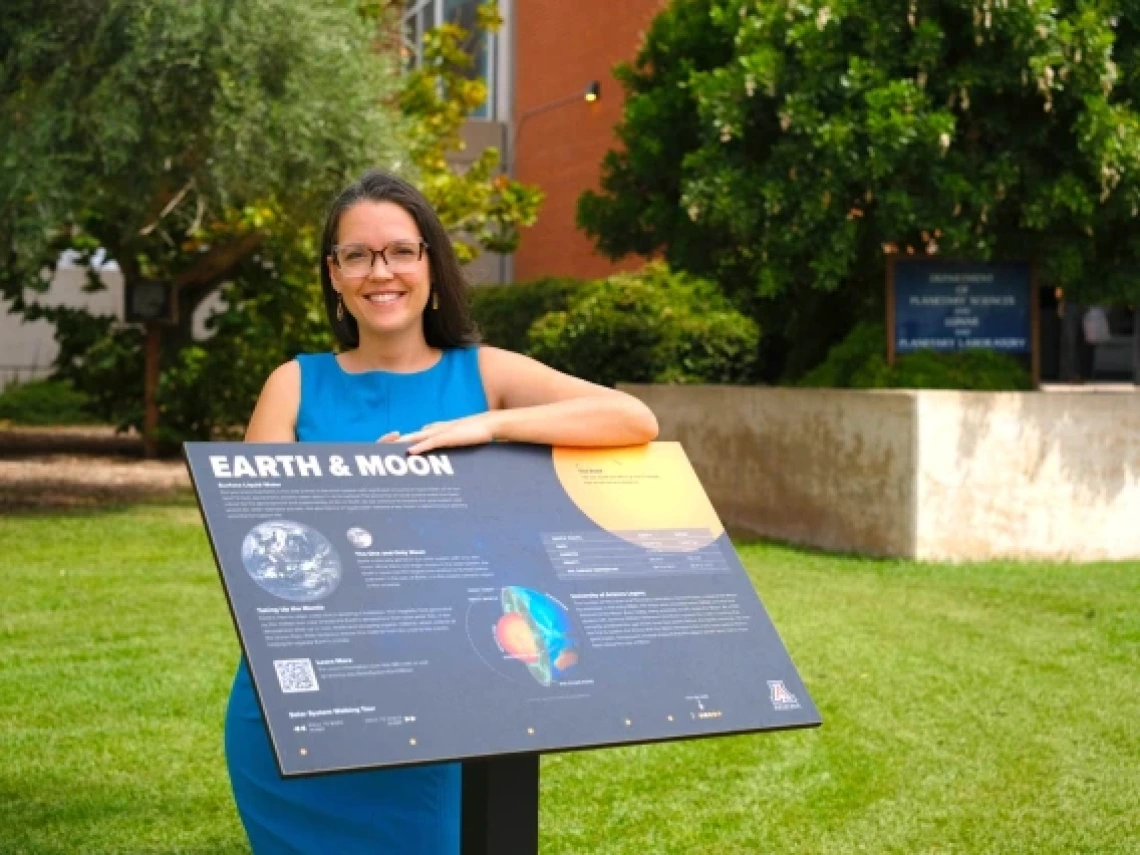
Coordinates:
[590,94]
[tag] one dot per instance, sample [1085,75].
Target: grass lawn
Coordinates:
[985,708]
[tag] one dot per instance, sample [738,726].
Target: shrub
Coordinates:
[45,402]
[505,312]
[653,326]
[859,362]
[864,344]
[973,370]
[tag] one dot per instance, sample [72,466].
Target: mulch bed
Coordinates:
[81,467]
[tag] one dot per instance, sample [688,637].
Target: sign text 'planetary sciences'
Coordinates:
[947,306]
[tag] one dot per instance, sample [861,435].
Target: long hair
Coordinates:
[448,326]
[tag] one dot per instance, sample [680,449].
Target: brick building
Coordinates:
[538,68]
[559,48]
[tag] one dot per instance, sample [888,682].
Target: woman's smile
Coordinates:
[384,298]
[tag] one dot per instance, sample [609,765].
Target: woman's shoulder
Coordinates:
[285,377]
[312,367]
[275,415]
[497,359]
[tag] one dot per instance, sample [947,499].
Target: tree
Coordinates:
[785,148]
[176,136]
[200,145]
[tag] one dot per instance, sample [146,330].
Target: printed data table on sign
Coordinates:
[634,554]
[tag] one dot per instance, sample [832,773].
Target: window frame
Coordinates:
[414,23]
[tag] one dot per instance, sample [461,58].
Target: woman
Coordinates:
[409,372]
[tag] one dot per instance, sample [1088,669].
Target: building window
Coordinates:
[421,15]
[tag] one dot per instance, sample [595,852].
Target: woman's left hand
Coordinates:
[472,430]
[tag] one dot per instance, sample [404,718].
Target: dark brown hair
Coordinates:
[448,326]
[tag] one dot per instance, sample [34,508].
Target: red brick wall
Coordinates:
[560,46]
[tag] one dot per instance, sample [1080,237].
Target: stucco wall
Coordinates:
[932,475]
[1029,475]
[488,268]
[831,469]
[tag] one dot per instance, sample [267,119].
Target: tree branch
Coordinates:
[219,261]
[170,206]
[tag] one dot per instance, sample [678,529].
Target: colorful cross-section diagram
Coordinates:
[536,629]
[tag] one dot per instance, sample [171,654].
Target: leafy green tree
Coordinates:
[785,148]
[177,136]
[199,143]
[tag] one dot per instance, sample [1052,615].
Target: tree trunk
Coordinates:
[195,285]
[150,391]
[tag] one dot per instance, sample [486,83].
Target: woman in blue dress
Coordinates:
[409,370]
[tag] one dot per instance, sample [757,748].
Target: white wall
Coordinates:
[1029,475]
[829,468]
[27,350]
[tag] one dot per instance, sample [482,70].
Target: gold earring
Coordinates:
[434,299]
[340,307]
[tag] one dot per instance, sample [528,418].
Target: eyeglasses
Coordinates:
[356,259]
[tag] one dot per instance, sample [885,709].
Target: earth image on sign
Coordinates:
[291,561]
[535,629]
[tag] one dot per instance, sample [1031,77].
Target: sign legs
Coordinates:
[500,805]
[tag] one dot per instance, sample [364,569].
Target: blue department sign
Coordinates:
[947,306]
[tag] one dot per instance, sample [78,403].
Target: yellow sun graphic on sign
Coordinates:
[650,487]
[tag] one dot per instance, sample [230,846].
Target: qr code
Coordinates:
[296,675]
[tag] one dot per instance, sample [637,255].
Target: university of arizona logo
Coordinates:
[781,698]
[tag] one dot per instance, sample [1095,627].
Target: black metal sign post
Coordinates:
[500,805]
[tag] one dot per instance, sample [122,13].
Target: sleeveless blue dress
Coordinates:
[411,811]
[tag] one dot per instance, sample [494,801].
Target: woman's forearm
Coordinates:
[592,421]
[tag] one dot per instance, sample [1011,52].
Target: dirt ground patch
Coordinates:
[81,467]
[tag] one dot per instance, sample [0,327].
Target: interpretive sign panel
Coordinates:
[399,609]
[950,306]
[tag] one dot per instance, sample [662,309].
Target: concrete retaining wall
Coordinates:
[920,474]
